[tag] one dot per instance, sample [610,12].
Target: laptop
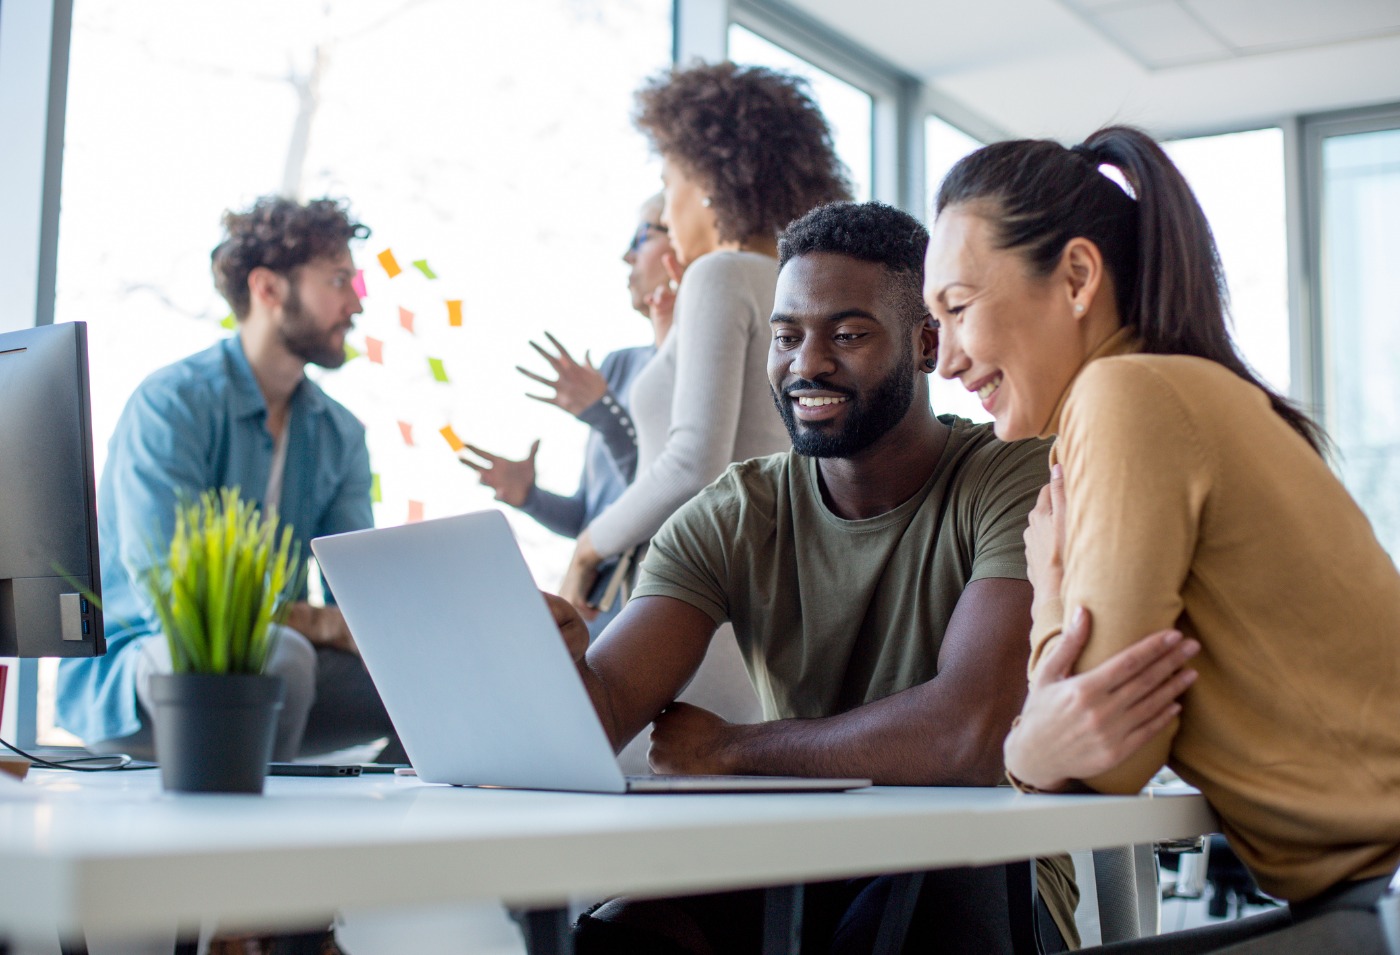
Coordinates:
[472,669]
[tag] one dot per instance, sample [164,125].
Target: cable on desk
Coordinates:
[118,762]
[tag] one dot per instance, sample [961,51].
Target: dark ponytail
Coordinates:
[1168,283]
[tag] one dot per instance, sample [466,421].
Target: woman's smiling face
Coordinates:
[1008,336]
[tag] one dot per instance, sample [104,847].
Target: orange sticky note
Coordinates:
[391,264]
[454,312]
[415,511]
[374,348]
[406,430]
[450,436]
[406,319]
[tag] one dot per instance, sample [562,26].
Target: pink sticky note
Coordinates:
[406,319]
[415,511]
[406,430]
[374,348]
[358,283]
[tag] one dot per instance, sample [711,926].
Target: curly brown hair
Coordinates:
[278,234]
[752,136]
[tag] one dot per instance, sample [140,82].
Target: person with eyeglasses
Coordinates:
[596,396]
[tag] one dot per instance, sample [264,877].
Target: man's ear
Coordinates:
[266,288]
[1082,267]
[928,344]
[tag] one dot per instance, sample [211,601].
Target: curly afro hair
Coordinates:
[871,232]
[278,234]
[753,136]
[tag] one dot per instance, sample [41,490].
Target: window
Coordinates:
[514,178]
[1358,288]
[849,110]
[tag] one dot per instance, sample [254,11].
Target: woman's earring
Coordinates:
[705,202]
[1079,308]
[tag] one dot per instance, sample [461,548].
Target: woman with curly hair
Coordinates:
[744,151]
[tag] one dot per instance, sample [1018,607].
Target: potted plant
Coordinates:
[227,578]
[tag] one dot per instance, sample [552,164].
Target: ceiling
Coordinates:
[1062,68]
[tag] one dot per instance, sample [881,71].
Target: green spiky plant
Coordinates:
[226,579]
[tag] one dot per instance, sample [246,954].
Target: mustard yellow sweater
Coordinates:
[1190,503]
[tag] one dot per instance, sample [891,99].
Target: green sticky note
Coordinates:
[229,322]
[351,353]
[422,266]
[439,371]
[375,495]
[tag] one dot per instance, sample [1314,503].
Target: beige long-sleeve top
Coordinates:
[1190,503]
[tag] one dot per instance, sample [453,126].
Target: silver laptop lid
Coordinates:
[466,656]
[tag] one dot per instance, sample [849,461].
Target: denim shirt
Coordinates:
[197,424]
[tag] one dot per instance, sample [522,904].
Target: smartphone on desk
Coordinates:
[311,769]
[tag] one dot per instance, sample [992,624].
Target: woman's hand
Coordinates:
[576,388]
[661,303]
[511,480]
[581,575]
[1078,726]
[1045,540]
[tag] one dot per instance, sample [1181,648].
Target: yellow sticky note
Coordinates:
[351,353]
[229,322]
[450,436]
[422,266]
[376,495]
[391,264]
[454,312]
[439,369]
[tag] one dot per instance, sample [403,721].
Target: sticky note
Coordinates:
[450,436]
[351,353]
[358,283]
[391,264]
[406,430]
[454,312]
[439,370]
[422,266]
[375,350]
[406,319]
[376,496]
[415,511]
[229,322]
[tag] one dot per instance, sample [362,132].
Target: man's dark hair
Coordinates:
[281,235]
[871,232]
[753,137]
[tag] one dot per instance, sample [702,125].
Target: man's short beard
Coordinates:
[868,418]
[301,336]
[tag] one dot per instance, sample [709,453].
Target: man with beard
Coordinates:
[875,578]
[241,414]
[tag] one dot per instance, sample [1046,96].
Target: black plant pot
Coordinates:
[214,732]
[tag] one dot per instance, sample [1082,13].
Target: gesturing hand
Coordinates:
[1078,726]
[1045,538]
[576,388]
[687,739]
[511,480]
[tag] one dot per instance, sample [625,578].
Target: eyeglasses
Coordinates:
[643,233]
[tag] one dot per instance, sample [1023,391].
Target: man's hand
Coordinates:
[576,388]
[581,575]
[511,480]
[1045,540]
[1077,727]
[323,626]
[570,624]
[687,739]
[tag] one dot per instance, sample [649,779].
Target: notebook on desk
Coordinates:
[472,670]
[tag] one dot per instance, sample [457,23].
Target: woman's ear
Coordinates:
[1083,270]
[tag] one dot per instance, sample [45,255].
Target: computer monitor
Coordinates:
[48,502]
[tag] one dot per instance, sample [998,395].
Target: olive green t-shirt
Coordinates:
[831,614]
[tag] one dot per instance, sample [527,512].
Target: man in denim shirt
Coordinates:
[243,414]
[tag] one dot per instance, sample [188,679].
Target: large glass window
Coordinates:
[849,110]
[1359,292]
[513,178]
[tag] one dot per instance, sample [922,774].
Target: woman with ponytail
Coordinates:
[1080,295]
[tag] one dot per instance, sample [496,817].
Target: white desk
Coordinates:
[111,852]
